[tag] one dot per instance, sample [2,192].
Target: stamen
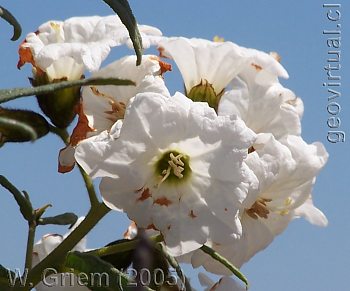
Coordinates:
[176,167]
[259,209]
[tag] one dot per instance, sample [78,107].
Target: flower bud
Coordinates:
[60,105]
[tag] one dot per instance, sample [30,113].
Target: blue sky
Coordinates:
[305,257]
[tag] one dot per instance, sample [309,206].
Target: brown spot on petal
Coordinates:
[161,50]
[164,67]
[127,233]
[257,67]
[65,169]
[82,128]
[192,215]
[25,56]
[163,201]
[251,150]
[117,108]
[276,56]
[144,195]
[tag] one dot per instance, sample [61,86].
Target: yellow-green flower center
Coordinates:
[172,167]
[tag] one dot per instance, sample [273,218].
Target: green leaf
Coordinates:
[25,205]
[10,94]
[122,8]
[62,219]
[97,274]
[120,260]
[6,15]
[216,256]
[21,125]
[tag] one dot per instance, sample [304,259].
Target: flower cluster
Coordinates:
[222,164]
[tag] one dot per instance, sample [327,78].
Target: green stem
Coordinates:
[216,256]
[30,246]
[55,258]
[89,187]
[172,261]
[122,247]
[62,133]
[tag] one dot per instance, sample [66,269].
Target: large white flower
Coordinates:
[177,167]
[287,172]
[207,67]
[263,103]
[58,281]
[86,40]
[102,106]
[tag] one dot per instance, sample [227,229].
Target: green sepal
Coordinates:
[7,16]
[122,8]
[17,125]
[67,218]
[60,105]
[24,204]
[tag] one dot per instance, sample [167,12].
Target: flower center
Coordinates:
[172,167]
[204,92]
[259,209]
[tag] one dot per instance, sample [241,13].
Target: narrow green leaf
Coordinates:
[97,274]
[24,204]
[6,15]
[20,127]
[122,8]
[216,256]
[67,218]
[10,94]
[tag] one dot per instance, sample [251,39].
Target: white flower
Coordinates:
[86,40]
[58,281]
[213,65]
[102,106]
[224,284]
[177,167]
[286,172]
[263,103]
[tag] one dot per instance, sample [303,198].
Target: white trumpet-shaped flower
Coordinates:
[102,106]
[286,171]
[207,67]
[176,167]
[86,40]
